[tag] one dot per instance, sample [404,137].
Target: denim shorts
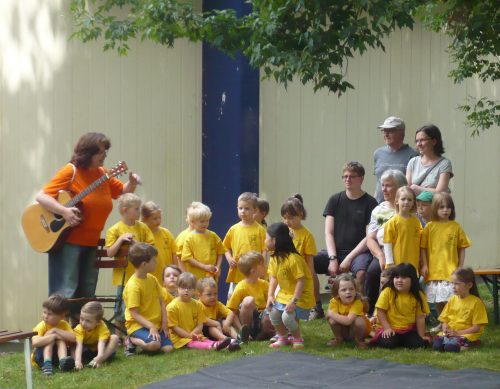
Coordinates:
[143,334]
[301,313]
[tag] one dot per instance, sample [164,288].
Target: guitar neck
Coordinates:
[75,200]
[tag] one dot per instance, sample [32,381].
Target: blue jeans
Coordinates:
[72,271]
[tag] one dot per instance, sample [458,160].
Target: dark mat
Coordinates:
[300,370]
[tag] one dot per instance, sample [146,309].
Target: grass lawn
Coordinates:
[139,370]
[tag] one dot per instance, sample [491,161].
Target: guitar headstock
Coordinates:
[120,168]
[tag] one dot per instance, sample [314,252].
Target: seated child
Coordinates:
[171,274]
[249,299]
[186,318]
[202,249]
[401,310]
[463,317]
[54,335]
[94,344]
[384,278]
[220,319]
[119,237]
[145,315]
[346,313]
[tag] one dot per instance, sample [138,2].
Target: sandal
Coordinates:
[298,343]
[281,342]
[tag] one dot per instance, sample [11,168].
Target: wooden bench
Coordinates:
[9,336]
[490,279]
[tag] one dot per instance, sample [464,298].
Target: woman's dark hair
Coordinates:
[433,132]
[294,206]
[87,146]
[284,243]
[406,270]
[467,275]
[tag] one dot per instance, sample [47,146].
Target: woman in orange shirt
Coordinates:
[71,265]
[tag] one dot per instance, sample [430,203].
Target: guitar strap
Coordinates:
[74,174]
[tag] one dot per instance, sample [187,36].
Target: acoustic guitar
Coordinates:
[45,230]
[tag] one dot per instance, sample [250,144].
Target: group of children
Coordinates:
[170,285]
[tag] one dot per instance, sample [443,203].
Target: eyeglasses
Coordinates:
[417,141]
[345,178]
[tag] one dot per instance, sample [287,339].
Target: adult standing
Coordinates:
[430,171]
[347,215]
[395,154]
[390,181]
[71,266]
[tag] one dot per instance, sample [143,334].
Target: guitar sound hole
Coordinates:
[57,223]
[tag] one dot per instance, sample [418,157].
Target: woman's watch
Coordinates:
[332,257]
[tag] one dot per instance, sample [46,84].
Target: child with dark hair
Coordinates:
[54,335]
[296,294]
[463,317]
[401,311]
[261,211]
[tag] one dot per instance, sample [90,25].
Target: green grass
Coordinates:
[143,369]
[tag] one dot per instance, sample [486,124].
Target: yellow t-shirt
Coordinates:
[165,244]
[205,248]
[258,290]
[143,294]
[401,308]
[217,312]
[179,241]
[167,297]
[186,316]
[442,241]
[241,239]
[141,233]
[92,337]
[355,308]
[304,241]
[287,270]
[404,234]
[461,313]
[42,328]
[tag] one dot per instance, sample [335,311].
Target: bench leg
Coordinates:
[495,299]
[27,362]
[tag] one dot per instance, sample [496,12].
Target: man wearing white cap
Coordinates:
[395,154]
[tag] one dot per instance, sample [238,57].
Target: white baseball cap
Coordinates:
[393,122]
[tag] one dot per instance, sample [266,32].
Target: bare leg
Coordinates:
[216,333]
[151,346]
[246,311]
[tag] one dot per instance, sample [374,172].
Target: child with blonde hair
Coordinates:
[119,238]
[151,215]
[346,314]
[249,298]
[244,236]
[296,294]
[179,240]
[402,231]
[54,336]
[187,317]
[463,317]
[145,314]
[202,249]
[94,344]
[443,247]
[221,321]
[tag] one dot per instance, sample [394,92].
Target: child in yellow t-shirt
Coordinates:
[179,240]
[242,237]
[296,295]
[402,231]
[54,336]
[443,247]
[186,317]
[119,237]
[221,321]
[346,314]
[202,249]
[293,212]
[151,215]
[145,314]
[463,317]
[249,299]
[401,311]
[171,274]
[261,211]
[94,344]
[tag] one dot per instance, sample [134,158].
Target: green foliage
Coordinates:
[308,40]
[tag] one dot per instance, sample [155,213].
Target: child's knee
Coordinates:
[248,303]
[167,349]
[290,321]
[276,317]
[151,346]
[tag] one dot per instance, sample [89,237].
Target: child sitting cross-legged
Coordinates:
[54,335]
[221,321]
[145,314]
[249,299]
[94,344]
[346,314]
[171,274]
[186,317]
